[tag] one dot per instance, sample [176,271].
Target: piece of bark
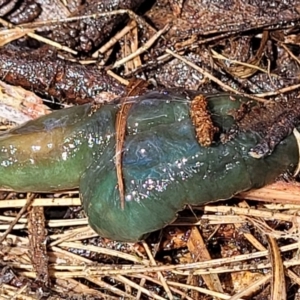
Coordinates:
[43,72]
[87,34]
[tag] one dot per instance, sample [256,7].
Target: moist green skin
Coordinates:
[52,152]
[164,167]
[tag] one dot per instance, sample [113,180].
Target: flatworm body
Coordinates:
[164,166]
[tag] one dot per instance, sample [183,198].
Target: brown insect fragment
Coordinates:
[136,87]
[201,119]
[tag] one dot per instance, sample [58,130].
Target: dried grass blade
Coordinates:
[278,285]
[199,252]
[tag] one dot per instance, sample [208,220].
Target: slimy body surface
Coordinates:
[164,166]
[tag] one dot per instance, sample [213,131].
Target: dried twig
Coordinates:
[16,219]
[159,274]
[143,48]
[213,78]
